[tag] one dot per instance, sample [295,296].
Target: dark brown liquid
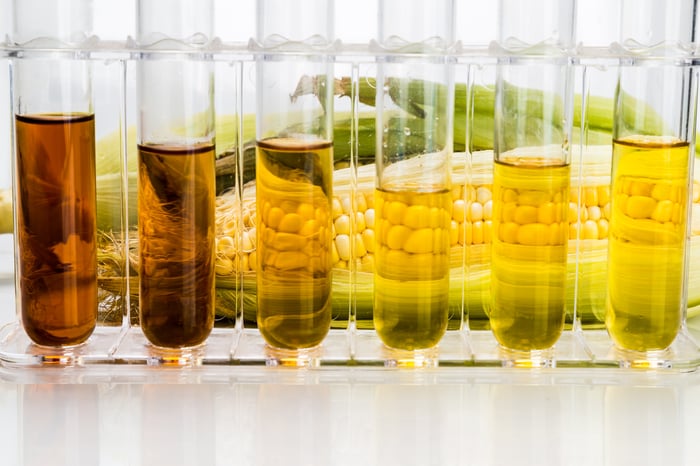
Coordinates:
[56,227]
[176,242]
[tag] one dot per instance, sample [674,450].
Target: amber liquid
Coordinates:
[293,186]
[647,242]
[56,227]
[176,243]
[529,253]
[412,267]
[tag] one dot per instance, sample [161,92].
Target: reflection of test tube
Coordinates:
[294,164]
[413,190]
[651,176]
[176,193]
[531,181]
[55,173]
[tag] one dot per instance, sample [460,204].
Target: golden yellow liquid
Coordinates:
[56,227]
[412,267]
[176,243]
[647,242]
[529,253]
[293,195]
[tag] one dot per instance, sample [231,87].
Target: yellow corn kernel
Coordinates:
[525,214]
[417,217]
[663,210]
[573,230]
[555,234]
[291,223]
[661,191]
[394,212]
[488,231]
[488,210]
[419,241]
[369,218]
[590,196]
[594,213]
[508,232]
[246,242]
[360,202]
[290,260]
[640,206]
[607,208]
[483,195]
[478,232]
[603,228]
[509,195]
[336,208]
[289,242]
[342,245]
[454,232]
[223,266]
[321,215]
[243,264]
[465,233]
[359,245]
[573,212]
[342,225]
[508,214]
[367,263]
[574,195]
[397,236]
[360,222]
[640,188]
[268,236]
[589,230]
[274,217]
[459,210]
[306,211]
[603,195]
[335,256]
[533,198]
[548,213]
[533,234]
[476,212]
[252,237]
[310,228]
[225,246]
[368,240]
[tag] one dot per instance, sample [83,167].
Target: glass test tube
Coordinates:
[294,168]
[413,195]
[651,180]
[55,173]
[531,179]
[176,184]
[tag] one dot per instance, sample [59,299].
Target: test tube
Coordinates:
[54,172]
[294,168]
[531,179]
[176,184]
[651,179]
[413,198]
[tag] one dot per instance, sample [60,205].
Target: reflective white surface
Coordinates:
[139,415]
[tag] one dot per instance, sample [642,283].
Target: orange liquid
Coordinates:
[56,228]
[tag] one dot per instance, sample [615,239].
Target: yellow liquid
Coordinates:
[412,267]
[647,242]
[529,253]
[293,189]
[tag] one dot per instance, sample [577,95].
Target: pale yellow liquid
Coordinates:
[645,277]
[411,289]
[528,281]
[293,189]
